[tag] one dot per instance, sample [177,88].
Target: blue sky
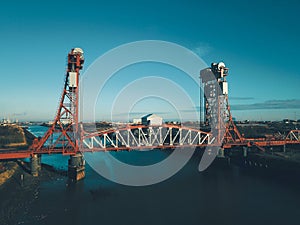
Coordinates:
[258,41]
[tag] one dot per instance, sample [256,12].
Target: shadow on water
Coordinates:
[222,194]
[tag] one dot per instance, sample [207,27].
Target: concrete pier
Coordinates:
[76,167]
[221,153]
[245,151]
[35,164]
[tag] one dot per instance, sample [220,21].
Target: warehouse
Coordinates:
[152,120]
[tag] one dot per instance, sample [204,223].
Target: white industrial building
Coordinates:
[137,121]
[152,120]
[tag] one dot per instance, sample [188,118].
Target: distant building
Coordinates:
[6,121]
[137,121]
[152,120]
[65,121]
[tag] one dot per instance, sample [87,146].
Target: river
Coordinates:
[221,194]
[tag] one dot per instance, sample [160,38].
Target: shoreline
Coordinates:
[10,169]
[17,195]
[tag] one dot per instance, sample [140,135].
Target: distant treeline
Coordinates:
[272,128]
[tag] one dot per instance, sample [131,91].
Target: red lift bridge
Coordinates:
[71,138]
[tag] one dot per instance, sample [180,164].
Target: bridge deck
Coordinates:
[147,137]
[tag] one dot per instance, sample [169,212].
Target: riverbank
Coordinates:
[12,136]
[7,170]
[20,190]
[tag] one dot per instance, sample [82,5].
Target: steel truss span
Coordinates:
[146,137]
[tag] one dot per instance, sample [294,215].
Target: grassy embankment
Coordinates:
[11,137]
[9,169]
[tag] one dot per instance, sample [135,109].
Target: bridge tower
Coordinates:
[64,133]
[216,105]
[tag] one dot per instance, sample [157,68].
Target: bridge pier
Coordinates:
[35,164]
[221,153]
[76,167]
[245,151]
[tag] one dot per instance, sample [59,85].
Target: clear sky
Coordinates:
[258,41]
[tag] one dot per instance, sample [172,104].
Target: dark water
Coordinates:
[220,195]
